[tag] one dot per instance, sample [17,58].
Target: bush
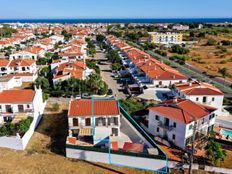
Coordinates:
[226,42]
[211,42]
[24,125]
[223,62]
[179,50]
[9,129]
[55,107]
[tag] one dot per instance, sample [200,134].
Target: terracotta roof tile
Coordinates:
[101,107]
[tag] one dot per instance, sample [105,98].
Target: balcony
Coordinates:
[165,126]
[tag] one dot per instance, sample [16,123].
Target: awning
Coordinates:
[85,132]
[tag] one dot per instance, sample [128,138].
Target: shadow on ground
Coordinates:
[53,130]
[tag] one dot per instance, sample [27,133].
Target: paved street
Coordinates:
[106,75]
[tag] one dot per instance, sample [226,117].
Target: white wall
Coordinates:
[181,132]
[130,161]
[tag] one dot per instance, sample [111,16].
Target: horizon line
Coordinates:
[121,18]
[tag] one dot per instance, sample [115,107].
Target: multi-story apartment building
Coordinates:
[165,38]
[93,120]
[175,121]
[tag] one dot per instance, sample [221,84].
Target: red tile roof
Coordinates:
[21,62]
[4,62]
[133,147]
[198,88]
[101,107]
[149,65]
[182,110]
[17,96]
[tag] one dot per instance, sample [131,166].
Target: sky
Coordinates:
[31,9]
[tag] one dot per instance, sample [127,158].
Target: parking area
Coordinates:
[107,76]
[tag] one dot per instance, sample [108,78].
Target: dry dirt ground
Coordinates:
[211,57]
[45,153]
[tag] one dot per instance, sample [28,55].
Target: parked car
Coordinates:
[110,92]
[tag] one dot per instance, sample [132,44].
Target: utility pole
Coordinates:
[192,147]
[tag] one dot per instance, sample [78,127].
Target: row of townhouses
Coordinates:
[194,104]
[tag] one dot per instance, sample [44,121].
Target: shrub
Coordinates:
[55,107]
[211,42]
[179,50]
[223,62]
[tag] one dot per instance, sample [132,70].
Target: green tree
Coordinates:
[223,72]
[43,82]
[214,152]
[179,50]
[116,66]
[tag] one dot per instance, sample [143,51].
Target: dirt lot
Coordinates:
[211,58]
[45,153]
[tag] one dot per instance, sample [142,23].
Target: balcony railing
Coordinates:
[165,126]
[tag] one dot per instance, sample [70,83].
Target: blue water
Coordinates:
[170,20]
[227,132]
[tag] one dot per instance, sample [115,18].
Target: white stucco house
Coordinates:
[9,82]
[201,92]
[16,105]
[174,120]
[95,119]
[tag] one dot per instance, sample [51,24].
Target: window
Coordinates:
[157,117]
[0,107]
[203,121]
[197,99]
[190,127]
[157,130]
[88,122]
[213,99]
[204,99]
[173,136]
[28,106]
[75,122]
[174,124]
[211,116]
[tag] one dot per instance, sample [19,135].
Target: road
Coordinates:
[106,75]
[198,74]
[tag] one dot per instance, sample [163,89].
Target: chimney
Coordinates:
[190,83]
[175,100]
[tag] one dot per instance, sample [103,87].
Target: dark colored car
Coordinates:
[110,92]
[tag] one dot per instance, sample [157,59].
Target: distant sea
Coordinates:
[167,20]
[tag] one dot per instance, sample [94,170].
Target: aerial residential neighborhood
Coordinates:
[107,89]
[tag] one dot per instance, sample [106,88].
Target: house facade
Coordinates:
[165,38]
[95,119]
[15,103]
[174,121]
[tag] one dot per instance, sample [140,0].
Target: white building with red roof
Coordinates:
[174,120]
[63,69]
[146,70]
[17,105]
[33,53]
[19,68]
[98,119]
[201,92]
